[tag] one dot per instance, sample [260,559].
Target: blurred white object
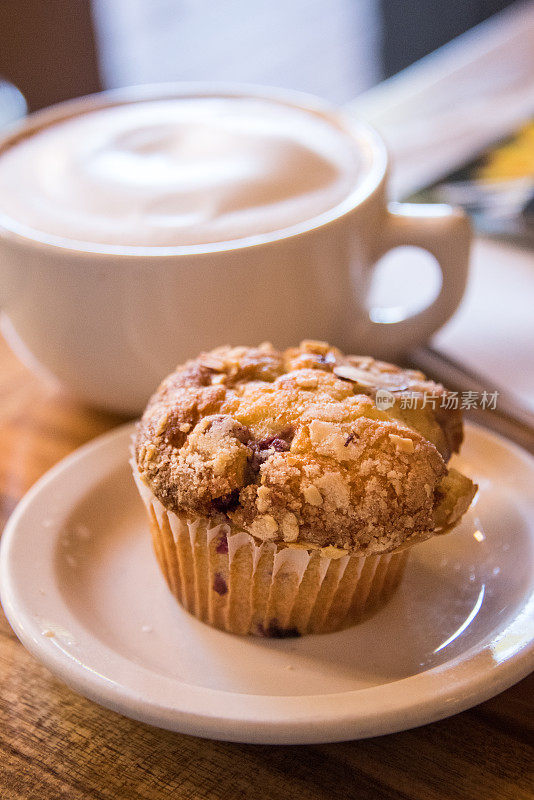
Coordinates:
[292,44]
[434,115]
[12,103]
[109,320]
[445,108]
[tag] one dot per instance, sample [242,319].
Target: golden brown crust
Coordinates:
[291,447]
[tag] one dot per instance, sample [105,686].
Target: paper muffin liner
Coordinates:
[228,579]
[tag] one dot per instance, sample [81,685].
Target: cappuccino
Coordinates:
[177,171]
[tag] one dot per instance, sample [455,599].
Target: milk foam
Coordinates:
[178,172]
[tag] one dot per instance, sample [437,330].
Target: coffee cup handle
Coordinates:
[446,233]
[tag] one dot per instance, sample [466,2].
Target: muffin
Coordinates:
[285,489]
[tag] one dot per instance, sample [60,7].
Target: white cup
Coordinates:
[109,322]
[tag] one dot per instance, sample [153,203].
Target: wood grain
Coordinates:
[55,744]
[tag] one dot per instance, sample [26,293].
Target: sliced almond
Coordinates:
[264,528]
[306,381]
[212,362]
[359,376]
[404,444]
[312,495]
[290,528]
[263,499]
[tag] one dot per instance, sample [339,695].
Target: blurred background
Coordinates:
[334,48]
[449,85]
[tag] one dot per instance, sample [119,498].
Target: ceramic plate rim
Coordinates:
[441,691]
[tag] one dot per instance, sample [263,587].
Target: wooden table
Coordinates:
[55,744]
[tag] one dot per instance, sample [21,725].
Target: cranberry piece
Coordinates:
[228,502]
[275,443]
[219,584]
[280,443]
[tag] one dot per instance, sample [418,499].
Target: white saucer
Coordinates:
[81,589]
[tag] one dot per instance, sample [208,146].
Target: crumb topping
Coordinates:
[291,447]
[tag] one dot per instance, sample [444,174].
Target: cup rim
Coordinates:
[367,137]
